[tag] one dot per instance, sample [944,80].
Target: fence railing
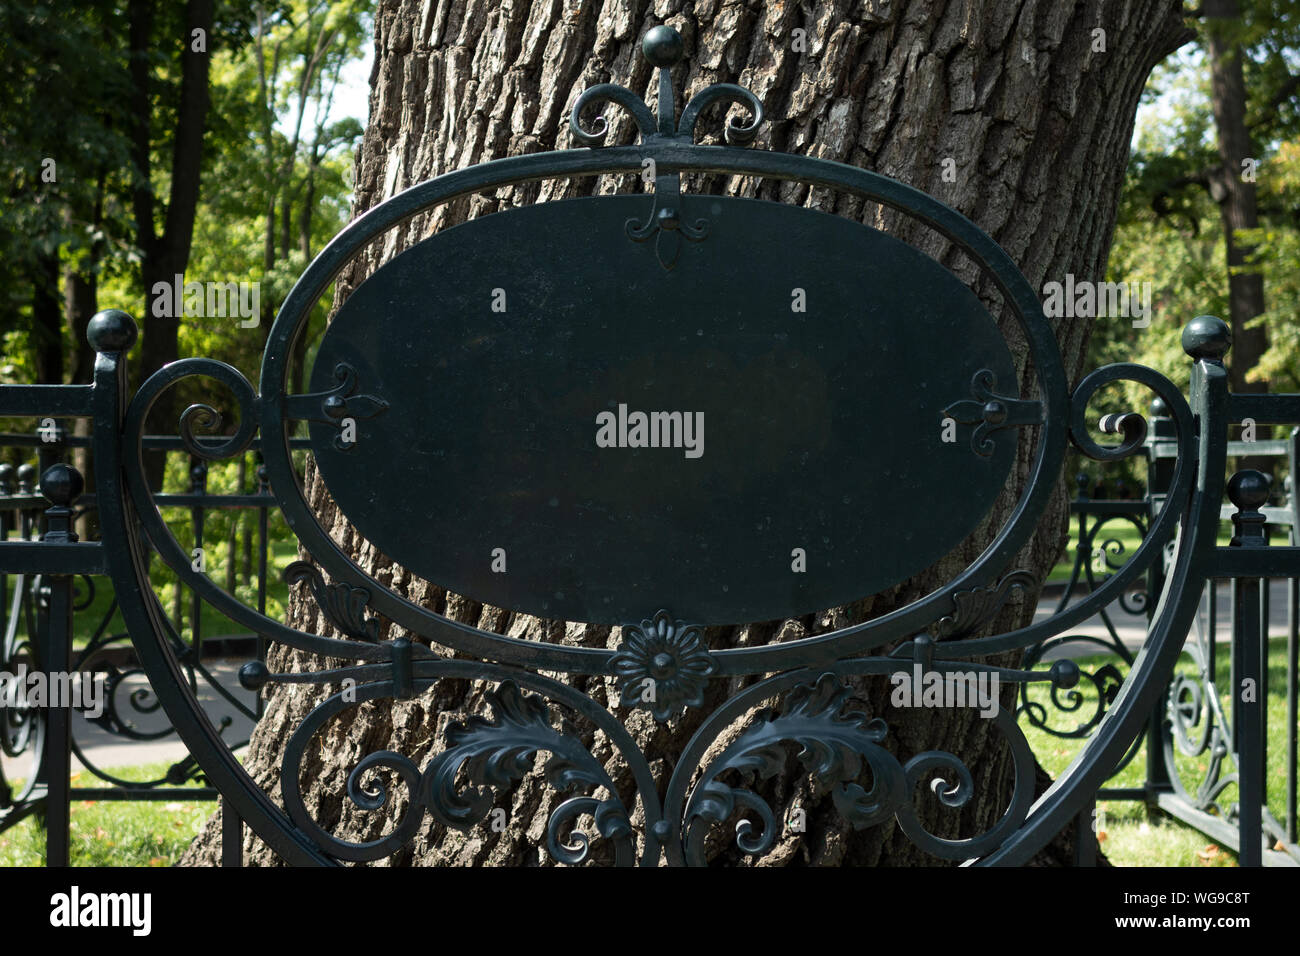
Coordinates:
[1192,719]
[125,708]
[1197,717]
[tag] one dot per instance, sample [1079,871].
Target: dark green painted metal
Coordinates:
[685,274]
[786,477]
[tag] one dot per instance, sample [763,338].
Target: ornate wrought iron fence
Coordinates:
[663,302]
[127,710]
[1193,720]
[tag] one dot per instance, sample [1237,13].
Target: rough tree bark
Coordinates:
[1038,121]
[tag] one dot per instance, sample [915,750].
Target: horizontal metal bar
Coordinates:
[1236,449]
[1274,515]
[154,442]
[179,500]
[1115,506]
[1122,793]
[213,501]
[1282,409]
[53,557]
[53,401]
[156,793]
[1256,563]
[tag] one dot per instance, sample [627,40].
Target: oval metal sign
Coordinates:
[537,411]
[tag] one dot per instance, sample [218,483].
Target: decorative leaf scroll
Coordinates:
[975,608]
[833,749]
[342,604]
[663,663]
[992,412]
[337,404]
[497,753]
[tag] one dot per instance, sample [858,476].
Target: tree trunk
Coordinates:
[47,319]
[1038,125]
[167,255]
[1235,188]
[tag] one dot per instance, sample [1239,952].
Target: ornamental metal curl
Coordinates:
[666,222]
[991,412]
[492,754]
[342,604]
[834,744]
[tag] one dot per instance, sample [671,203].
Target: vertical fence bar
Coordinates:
[1249,490]
[198,486]
[1292,638]
[1265,610]
[61,485]
[1292,716]
[232,836]
[263,545]
[1159,477]
[1213,629]
[58,724]
[1085,842]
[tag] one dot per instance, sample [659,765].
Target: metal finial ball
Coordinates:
[1159,408]
[662,46]
[1249,489]
[62,484]
[1207,337]
[253,675]
[27,473]
[1065,673]
[111,331]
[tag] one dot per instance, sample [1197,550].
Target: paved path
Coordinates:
[106,750]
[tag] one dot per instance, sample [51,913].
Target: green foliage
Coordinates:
[1277,257]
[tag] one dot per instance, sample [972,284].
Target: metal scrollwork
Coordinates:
[344,606]
[974,608]
[834,747]
[666,222]
[337,405]
[991,412]
[497,753]
[492,754]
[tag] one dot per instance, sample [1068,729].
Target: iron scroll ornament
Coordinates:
[400,669]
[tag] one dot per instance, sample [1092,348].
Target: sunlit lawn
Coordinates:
[114,833]
[1129,837]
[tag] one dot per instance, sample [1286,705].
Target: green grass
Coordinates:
[1118,530]
[1131,839]
[115,833]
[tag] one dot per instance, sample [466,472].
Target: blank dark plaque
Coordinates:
[822,428]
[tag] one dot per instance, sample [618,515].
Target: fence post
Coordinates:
[1160,475]
[1248,491]
[232,835]
[62,485]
